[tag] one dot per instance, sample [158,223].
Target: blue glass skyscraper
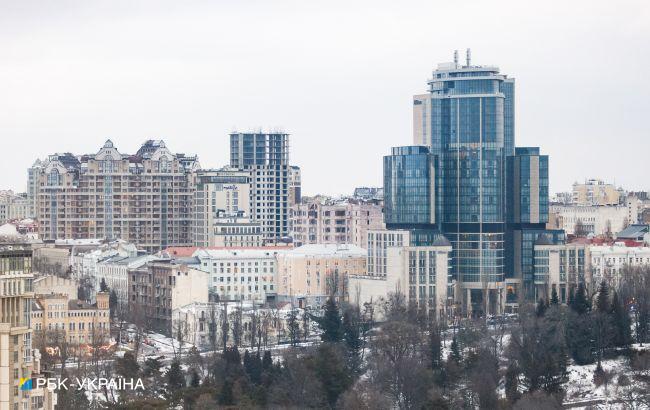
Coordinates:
[467,120]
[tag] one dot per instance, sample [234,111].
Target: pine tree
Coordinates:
[126,366]
[330,323]
[175,377]
[294,327]
[554,298]
[247,363]
[226,396]
[103,287]
[112,303]
[267,361]
[572,296]
[353,342]
[622,322]
[602,300]
[512,383]
[541,308]
[581,303]
[195,381]
[435,347]
[455,351]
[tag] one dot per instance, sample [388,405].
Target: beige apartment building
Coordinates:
[562,267]
[144,198]
[311,273]
[325,221]
[57,317]
[595,192]
[16,360]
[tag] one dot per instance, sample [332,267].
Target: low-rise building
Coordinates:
[241,274]
[609,261]
[596,219]
[160,286]
[237,231]
[561,267]
[114,271]
[311,273]
[55,284]
[58,318]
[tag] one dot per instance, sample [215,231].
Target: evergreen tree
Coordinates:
[195,381]
[256,368]
[331,370]
[572,296]
[72,398]
[622,322]
[226,396]
[512,383]
[126,366]
[330,323]
[112,303]
[435,347]
[581,303]
[579,337]
[247,363]
[602,300]
[267,361]
[554,298]
[175,377]
[293,327]
[455,351]
[541,308]
[103,287]
[353,342]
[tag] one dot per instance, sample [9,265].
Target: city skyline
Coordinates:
[190,88]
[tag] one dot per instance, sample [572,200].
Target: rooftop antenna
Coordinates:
[456,57]
[469,57]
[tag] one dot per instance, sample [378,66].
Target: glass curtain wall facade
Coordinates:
[469,109]
[409,186]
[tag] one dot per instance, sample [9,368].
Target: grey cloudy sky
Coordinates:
[338,76]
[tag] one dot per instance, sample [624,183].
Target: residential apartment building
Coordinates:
[16,294]
[144,198]
[59,318]
[379,241]
[266,157]
[595,219]
[13,206]
[319,221]
[226,191]
[114,272]
[237,231]
[295,185]
[609,261]
[160,286]
[594,192]
[55,284]
[309,274]
[241,274]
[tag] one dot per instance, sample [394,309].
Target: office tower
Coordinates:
[144,198]
[527,214]
[409,188]
[218,193]
[467,121]
[16,296]
[266,156]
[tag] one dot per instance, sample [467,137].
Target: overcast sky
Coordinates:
[338,76]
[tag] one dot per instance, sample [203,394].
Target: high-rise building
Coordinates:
[32,186]
[225,191]
[266,156]
[295,185]
[144,198]
[486,194]
[16,295]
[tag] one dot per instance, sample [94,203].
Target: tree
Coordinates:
[330,323]
[512,383]
[267,361]
[112,303]
[579,336]
[195,379]
[293,327]
[455,354]
[330,369]
[581,303]
[175,377]
[435,346]
[127,366]
[103,287]
[353,342]
[622,323]
[554,298]
[541,308]
[602,300]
